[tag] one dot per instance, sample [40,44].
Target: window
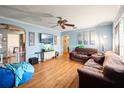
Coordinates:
[88,38]
[116,39]
[121,39]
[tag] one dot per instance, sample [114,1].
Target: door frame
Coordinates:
[63,42]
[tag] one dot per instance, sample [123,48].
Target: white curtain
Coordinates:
[121,35]
[119,38]
[116,39]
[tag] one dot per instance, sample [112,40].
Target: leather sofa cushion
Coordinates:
[98,58]
[113,66]
[93,65]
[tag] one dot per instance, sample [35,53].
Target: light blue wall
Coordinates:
[30,50]
[107,31]
[100,31]
[73,36]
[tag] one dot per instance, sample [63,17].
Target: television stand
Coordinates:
[48,55]
[44,56]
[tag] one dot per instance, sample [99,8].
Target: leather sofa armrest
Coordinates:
[71,54]
[91,79]
[72,51]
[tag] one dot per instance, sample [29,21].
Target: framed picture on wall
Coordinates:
[79,42]
[0,40]
[55,39]
[31,38]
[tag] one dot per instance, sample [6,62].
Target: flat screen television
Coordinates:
[46,38]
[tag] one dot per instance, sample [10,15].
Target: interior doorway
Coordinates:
[16,47]
[12,45]
[65,41]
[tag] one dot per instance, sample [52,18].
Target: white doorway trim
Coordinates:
[67,43]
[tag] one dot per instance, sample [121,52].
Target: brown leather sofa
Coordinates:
[82,54]
[107,75]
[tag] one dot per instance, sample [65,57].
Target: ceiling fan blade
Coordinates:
[70,25]
[65,20]
[63,27]
[59,17]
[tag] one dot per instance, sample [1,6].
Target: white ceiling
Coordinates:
[83,16]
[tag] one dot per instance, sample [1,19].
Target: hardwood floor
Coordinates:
[56,73]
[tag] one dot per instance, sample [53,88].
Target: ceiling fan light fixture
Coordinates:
[63,23]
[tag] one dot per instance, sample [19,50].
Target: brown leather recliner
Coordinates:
[82,54]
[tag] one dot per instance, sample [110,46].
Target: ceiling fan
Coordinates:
[63,23]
